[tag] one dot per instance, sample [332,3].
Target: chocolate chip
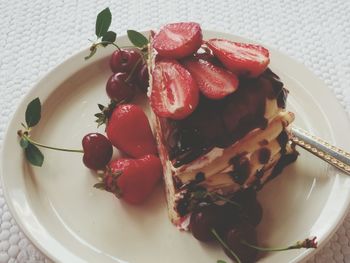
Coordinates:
[241,170]
[264,155]
[200,176]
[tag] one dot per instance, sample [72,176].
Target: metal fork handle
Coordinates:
[322,149]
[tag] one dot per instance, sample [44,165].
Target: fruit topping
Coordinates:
[174,92]
[133,180]
[234,236]
[178,40]
[142,78]
[128,129]
[124,60]
[202,221]
[118,89]
[97,151]
[214,82]
[243,59]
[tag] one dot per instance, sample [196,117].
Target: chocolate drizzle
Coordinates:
[241,169]
[220,123]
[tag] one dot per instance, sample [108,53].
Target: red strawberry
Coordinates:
[133,180]
[213,81]
[128,129]
[178,40]
[241,58]
[174,92]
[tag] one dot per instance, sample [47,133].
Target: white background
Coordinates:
[35,36]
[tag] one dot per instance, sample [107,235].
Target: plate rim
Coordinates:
[100,55]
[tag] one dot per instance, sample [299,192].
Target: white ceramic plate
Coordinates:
[70,221]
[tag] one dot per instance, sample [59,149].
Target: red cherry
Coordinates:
[234,237]
[118,89]
[142,78]
[97,151]
[124,60]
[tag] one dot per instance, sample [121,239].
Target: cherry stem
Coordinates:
[223,243]
[133,69]
[50,147]
[307,243]
[223,198]
[107,42]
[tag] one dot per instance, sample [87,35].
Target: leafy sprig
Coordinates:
[105,37]
[32,118]
[30,147]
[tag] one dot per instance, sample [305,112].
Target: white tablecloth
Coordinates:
[37,35]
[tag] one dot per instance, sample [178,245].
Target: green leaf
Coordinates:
[103,22]
[24,143]
[100,186]
[220,261]
[101,107]
[33,113]
[137,39]
[34,155]
[110,36]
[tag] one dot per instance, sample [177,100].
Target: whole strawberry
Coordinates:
[133,180]
[128,129]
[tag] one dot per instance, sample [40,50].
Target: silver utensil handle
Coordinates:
[322,149]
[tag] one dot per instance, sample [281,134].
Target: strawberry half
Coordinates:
[174,92]
[213,81]
[178,40]
[241,58]
[128,129]
[133,180]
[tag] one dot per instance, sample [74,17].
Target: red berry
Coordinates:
[128,129]
[178,40]
[97,151]
[142,78]
[174,92]
[137,180]
[203,221]
[118,89]
[243,59]
[235,235]
[213,81]
[124,60]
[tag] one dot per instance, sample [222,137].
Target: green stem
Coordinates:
[266,249]
[107,42]
[50,147]
[133,69]
[222,242]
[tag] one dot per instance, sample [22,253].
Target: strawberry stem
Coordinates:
[307,243]
[223,243]
[49,147]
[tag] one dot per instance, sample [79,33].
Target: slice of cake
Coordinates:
[220,120]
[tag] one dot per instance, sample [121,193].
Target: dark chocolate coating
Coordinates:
[220,123]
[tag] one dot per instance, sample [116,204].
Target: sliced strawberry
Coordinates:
[133,180]
[243,59]
[128,129]
[174,92]
[214,82]
[178,40]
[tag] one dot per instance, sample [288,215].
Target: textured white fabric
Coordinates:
[37,35]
